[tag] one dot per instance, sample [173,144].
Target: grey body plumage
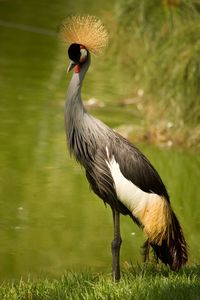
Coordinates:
[87,139]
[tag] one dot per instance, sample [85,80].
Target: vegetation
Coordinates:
[137,283]
[159,43]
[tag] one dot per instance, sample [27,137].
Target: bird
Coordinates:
[117,171]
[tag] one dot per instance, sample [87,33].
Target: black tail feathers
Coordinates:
[173,249]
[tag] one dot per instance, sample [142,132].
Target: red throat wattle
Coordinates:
[77,68]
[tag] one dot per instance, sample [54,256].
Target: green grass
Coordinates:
[146,282]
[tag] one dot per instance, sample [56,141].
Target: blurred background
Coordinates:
[146,86]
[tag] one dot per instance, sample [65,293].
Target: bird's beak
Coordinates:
[71,66]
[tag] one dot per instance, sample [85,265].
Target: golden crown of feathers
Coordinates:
[85,30]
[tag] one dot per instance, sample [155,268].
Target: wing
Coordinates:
[136,168]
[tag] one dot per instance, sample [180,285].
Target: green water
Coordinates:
[49,219]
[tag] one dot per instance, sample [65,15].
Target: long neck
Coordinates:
[77,121]
[84,133]
[74,102]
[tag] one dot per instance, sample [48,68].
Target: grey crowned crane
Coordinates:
[116,170]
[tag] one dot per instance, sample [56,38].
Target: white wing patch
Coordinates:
[128,193]
[151,209]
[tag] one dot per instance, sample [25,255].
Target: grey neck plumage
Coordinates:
[83,131]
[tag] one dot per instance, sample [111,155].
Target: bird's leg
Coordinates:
[146,248]
[115,246]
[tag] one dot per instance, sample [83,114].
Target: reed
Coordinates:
[159,41]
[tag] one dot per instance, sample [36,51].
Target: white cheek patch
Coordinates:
[128,193]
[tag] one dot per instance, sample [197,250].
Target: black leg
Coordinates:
[115,246]
[145,252]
